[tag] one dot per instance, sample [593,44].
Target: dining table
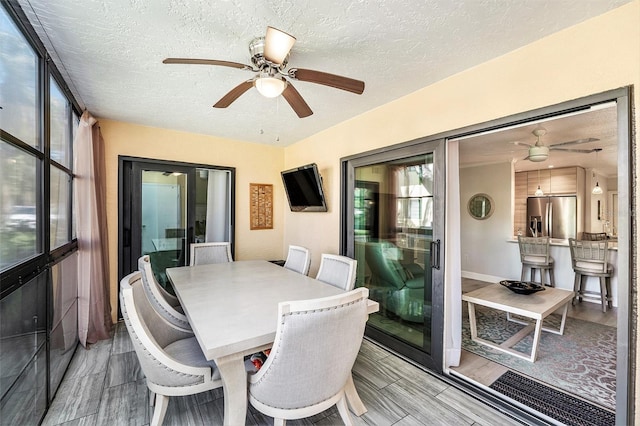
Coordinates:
[233,309]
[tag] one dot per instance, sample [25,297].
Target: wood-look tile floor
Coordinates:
[105,386]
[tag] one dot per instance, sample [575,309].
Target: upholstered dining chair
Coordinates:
[165,304]
[298,259]
[313,352]
[206,253]
[534,254]
[339,271]
[171,359]
[591,259]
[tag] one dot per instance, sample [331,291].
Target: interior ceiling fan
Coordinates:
[540,152]
[270,55]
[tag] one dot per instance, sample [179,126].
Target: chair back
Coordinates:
[385,269]
[534,249]
[594,236]
[207,253]
[150,333]
[315,347]
[157,298]
[589,256]
[339,271]
[298,259]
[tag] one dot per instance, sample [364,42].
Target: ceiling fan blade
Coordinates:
[234,94]
[522,144]
[206,62]
[331,80]
[296,101]
[576,142]
[277,45]
[582,151]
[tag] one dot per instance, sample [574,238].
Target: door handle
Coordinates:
[434,255]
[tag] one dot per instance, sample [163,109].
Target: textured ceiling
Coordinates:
[110,53]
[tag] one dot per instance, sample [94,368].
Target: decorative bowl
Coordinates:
[522,287]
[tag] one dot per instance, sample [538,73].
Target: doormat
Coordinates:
[552,402]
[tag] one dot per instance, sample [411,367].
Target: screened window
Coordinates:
[18,206]
[18,84]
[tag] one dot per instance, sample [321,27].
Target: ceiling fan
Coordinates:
[540,152]
[270,55]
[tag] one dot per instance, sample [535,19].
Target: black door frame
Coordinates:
[129,216]
[423,146]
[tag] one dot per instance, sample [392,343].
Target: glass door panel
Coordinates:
[164,227]
[393,224]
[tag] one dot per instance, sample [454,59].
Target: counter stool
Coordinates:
[534,254]
[590,259]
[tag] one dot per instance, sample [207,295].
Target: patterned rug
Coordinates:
[581,362]
[554,403]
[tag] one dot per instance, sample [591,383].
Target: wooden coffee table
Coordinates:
[536,306]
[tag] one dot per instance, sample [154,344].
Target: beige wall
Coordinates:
[254,163]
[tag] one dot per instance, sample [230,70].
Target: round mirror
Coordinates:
[480,206]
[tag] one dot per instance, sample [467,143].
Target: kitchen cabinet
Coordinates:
[560,181]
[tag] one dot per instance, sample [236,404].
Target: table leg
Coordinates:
[536,340]
[472,321]
[234,380]
[353,398]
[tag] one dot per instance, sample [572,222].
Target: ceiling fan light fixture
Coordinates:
[269,86]
[277,45]
[538,153]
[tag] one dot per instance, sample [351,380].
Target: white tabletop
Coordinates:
[233,307]
[537,305]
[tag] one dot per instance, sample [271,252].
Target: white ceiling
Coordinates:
[599,123]
[110,53]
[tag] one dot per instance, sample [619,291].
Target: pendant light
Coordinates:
[539,192]
[596,189]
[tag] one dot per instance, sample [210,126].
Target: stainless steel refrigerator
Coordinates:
[552,216]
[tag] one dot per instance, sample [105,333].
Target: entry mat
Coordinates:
[551,402]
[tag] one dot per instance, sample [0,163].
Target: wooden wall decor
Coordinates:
[261,205]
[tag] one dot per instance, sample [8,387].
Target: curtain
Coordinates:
[94,310]
[452,269]
[218,206]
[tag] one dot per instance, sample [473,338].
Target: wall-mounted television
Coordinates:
[303,186]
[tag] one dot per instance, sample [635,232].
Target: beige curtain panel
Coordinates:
[94,310]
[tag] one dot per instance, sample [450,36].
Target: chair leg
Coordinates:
[603,293]
[344,411]
[162,401]
[552,281]
[522,273]
[576,289]
[609,294]
[152,398]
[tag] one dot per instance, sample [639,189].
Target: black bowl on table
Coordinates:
[522,287]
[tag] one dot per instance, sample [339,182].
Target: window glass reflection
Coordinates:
[18,84]
[59,128]
[59,219]
[23,325]
[18,206]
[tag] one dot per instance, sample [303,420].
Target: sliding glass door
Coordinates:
[166,206]
[393,223]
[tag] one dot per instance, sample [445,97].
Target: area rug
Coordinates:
[551,402]
[581,362]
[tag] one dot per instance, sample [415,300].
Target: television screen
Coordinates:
[303,186]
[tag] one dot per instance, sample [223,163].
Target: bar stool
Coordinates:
[590,259]
[534,254]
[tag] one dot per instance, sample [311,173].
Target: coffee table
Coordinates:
[536,306]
